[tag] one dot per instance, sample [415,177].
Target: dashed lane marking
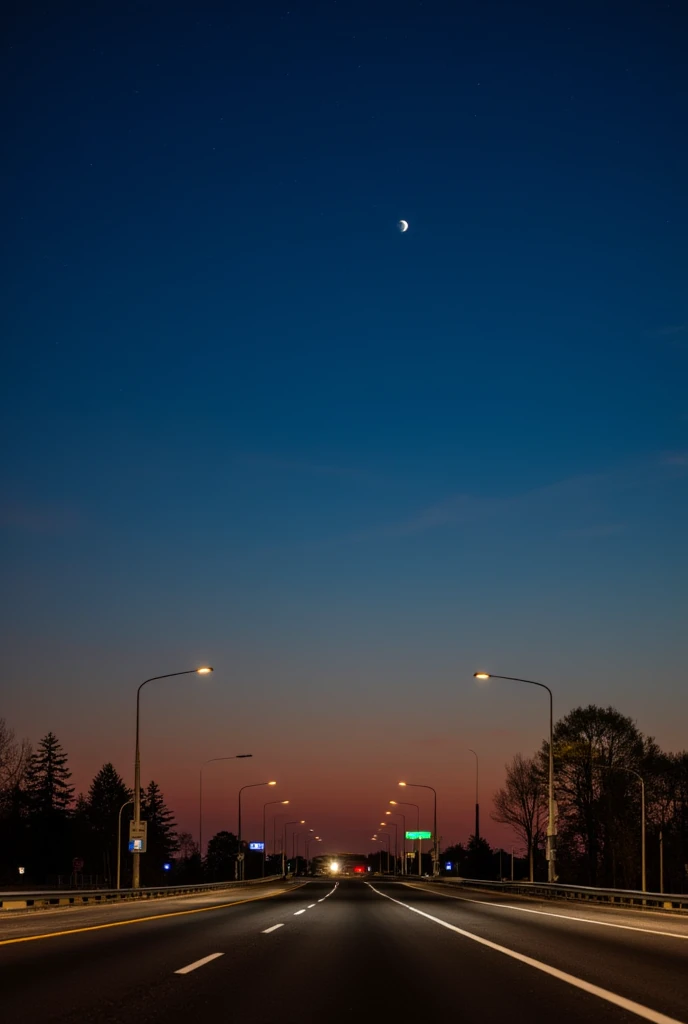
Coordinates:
[198,963]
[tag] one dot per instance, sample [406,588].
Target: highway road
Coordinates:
[355,950]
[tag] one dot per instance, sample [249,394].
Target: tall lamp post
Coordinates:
[400,814]
[551,825]
[298,836]
[307,845]
[477,804]
[405,803]
[393,824]
[297,821]
[252,785]
[136,865]
[232,757]
[264,806]
[632,771]
[378,837]
[435,853]
[119,837]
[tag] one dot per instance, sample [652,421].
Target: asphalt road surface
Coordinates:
[357,950]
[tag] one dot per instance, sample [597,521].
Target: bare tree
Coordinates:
[522,803]
[14,758]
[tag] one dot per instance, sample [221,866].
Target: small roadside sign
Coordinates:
[138,836]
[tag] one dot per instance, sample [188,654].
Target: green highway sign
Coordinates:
[419,835]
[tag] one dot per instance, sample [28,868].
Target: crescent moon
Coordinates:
[403,226]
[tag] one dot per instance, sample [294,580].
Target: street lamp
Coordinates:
[297,821]
[273,841]
[631,771]
[119,837]
[477,805]
[551,826]
[307,845]
[435,855]
[405,803]
[394,825]
[232,757]
[136,866]
[252,785]
[298,836]
[377,838]
[400,814]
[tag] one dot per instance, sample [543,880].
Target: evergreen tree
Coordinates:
[47,780]
[162,835]
[48,799]
[106,796]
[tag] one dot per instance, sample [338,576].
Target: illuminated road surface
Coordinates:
[360,951]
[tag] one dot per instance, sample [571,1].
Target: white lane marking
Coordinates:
[266,931]
[322,900]
[198,963]
[570,979]
[311,905]
[299,912]
[564,917]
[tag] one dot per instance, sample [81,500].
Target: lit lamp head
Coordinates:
[204,670]
[402,783]
[481,675]
[284,801]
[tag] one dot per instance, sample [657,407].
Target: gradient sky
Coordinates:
[251,424]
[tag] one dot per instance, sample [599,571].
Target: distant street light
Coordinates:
[298,836]
[405,803]
[268,804]
[551,825]
[377,838]
[136,866]
[631,771]
[435,850]
[297,821]
[252,785]
[232,757]
[393,824]
[400,814]
[307,845]
[477,804]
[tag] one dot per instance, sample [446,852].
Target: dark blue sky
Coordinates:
[252,423]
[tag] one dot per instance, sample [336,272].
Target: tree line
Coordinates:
[51,834]
[600,760]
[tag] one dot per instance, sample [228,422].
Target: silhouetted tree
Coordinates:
[221,856]
[456,855]
[522,803]
[162,835]
[48,797]
[106,796]
[596,805]
[478,858]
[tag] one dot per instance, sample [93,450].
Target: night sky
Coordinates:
[253,425]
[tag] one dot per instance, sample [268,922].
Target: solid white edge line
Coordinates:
[299,912]
[198,963]
[266,931]
[554,972]
[548,913]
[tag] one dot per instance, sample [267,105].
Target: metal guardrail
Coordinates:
[82,897]
[590,894]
